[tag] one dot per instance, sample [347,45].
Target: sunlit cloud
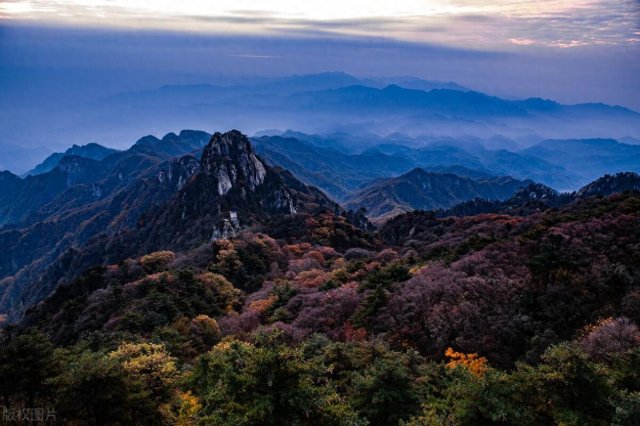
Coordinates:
[522,41]
[468,23]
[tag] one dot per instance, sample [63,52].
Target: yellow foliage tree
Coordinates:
[148,364]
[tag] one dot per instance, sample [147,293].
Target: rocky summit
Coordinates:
[232,188]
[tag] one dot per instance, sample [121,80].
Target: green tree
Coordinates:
[27,364]
[265,383]
[92,388]
[384,393]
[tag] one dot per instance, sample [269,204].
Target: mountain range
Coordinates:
[326,103]
[191,188]
[341,164]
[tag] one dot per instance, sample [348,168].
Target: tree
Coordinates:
[151,374]
[27,363]
[266,383]
[92,388]
[204,332]
[384,392]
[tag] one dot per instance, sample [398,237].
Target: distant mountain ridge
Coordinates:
[329,103]
[444,101]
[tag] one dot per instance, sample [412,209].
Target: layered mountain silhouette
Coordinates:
[76,180]
[322,162]
[190,188]
[329,103]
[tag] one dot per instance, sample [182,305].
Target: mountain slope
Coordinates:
[422,190]
[320,161]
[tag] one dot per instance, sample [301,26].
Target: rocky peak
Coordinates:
[534,192]
[230,159]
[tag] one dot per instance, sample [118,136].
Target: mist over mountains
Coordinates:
[325,103]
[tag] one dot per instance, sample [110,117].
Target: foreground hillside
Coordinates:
[306,319]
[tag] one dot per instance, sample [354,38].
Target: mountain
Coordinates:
[320,161]
[177,203]
[92,151]
[421,84]
[233,188]
[609,184]
[336,172]
[422,190]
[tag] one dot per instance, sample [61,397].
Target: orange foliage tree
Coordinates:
[476,365]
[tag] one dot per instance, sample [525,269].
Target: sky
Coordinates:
[597,42]
[54,52]
[479,23]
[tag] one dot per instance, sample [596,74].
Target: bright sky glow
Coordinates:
[471,23]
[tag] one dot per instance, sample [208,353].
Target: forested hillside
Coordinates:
[306,319]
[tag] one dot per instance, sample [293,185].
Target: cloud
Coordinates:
[522,41]
[477,23]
